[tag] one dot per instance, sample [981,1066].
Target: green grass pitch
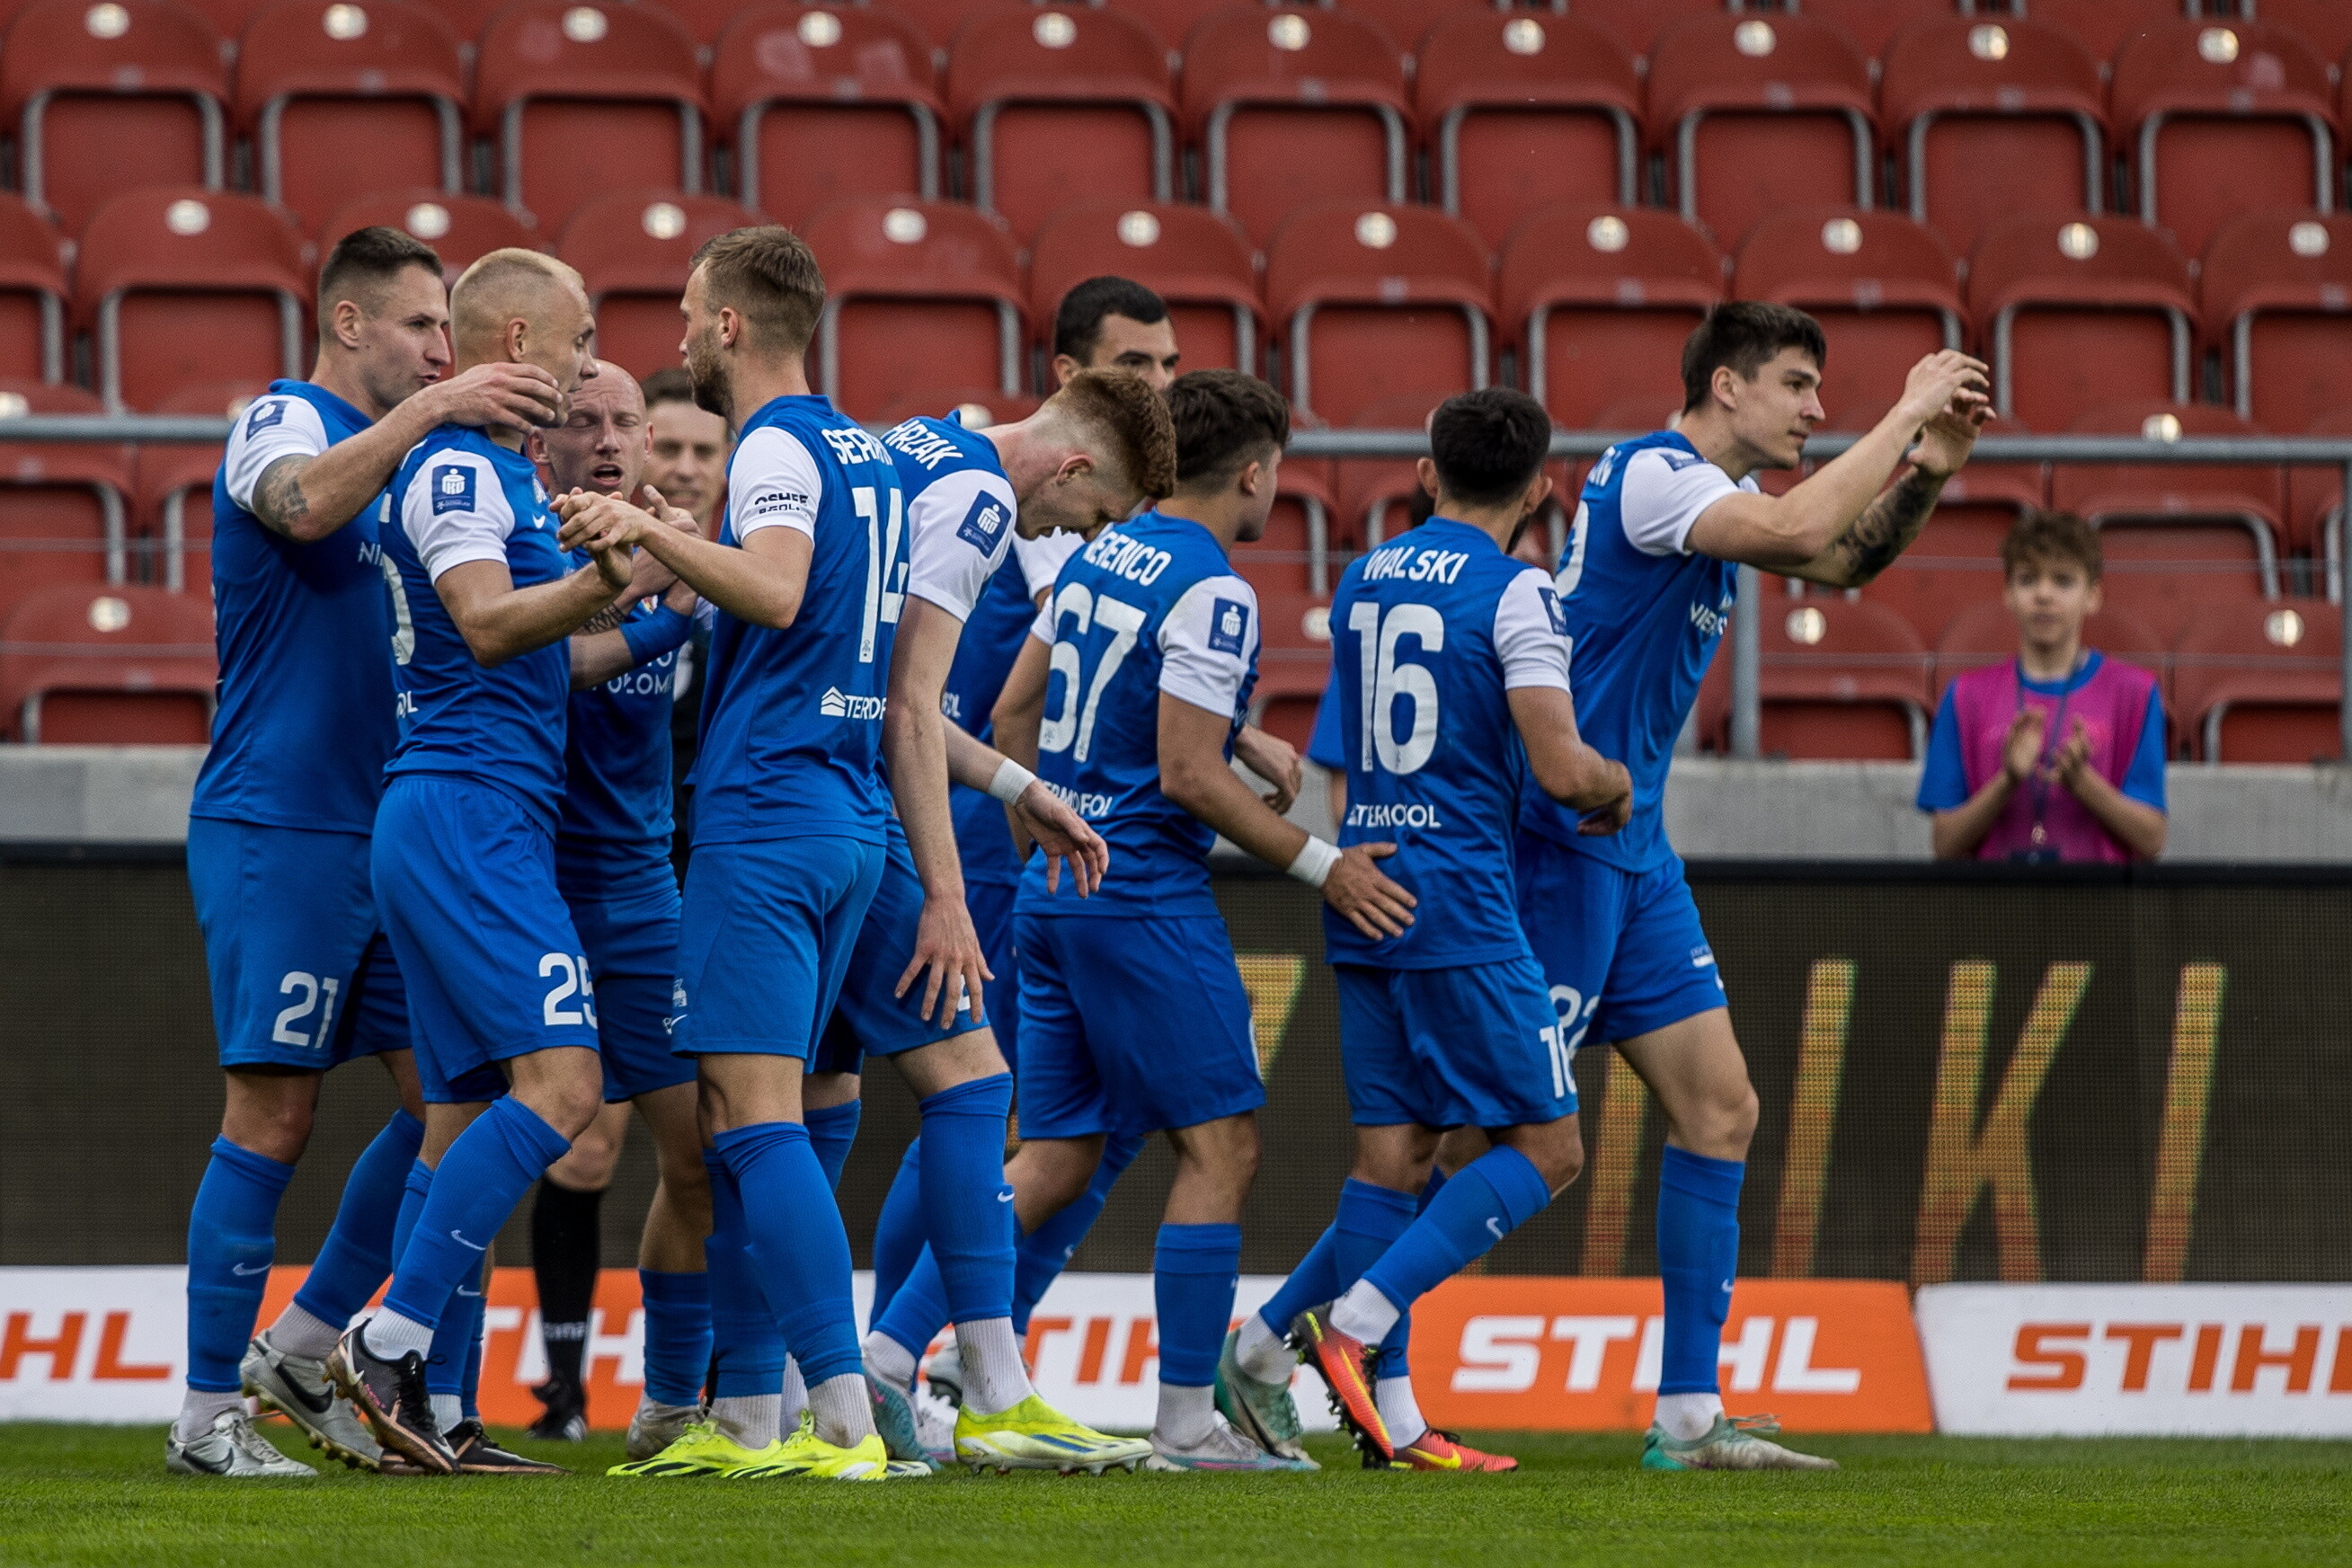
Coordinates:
[100,1495]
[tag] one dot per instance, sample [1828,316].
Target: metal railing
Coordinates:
[1746,641]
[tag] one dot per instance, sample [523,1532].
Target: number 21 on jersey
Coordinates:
[1388,678]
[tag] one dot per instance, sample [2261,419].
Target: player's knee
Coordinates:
[270,1115]
[1721,1122]
[1556,1150]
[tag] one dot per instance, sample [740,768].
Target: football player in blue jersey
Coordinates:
[277,834]
[1451,666]
[1647,584]
[501,1003]
[1134,1017]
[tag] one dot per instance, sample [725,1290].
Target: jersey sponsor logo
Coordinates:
[776,501]
[453,488]
[838,704]
[1395,814]
[983,527]
[265,414]
[1709,620]
[855,443]
[1554,612]
[920,443]
[1091,804]
[1677,461]
[1228,620]
[1120,556]
[951,705]
[1403,563]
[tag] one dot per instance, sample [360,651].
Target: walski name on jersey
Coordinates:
[1395,814]
[925,447]
[1410,565]
[1086,803]
[1123,556]
[837,704]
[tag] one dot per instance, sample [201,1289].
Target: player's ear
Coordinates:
[1064,368]
[1425,471]
[1536,492]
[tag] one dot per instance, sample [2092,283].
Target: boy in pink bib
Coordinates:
[2057,754]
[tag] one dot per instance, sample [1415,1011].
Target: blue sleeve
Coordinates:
[2144,779]
[1944,782]
[1323,746]
[661,632]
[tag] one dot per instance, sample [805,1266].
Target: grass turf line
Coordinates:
[71,1495]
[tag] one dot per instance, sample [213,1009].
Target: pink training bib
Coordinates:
[2112,703]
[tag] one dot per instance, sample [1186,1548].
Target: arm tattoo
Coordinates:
[278,499]
[605,620]
[1885,528]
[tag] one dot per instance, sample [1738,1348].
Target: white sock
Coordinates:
[753,1420]
[1688,1416]
[199,1410]
[993,1378]
[1264,1353]
[297,1333]
[1187,1415]
[891,1362]
[844,1410]
[1400,1412]
[795,1397]
[389,1336]
[448,1409]
[1365,1314]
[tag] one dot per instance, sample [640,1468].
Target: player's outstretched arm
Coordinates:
[914,750]
[761,580]
[1194,774]
[1565,767]
[501,621]
[1837,528]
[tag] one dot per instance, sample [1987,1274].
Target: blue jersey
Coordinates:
[1428,636]
[305,720]
[791,721]
[1152,606]
[1644,614]
[461,498]
[616,768]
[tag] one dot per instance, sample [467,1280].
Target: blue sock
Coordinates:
[677,1335]
[475,1190]
[1394,1357]
[1430,1188]
[469,1398]
[796,1244]
[1193,1270]
[832,1129]
[1370,1219]
[1315,1281]
[418,1183]
[458,1339]
[232,1239]
[919,1310]
[1045,1251]
[967,1203]
[899,1236]
[1698,1254]
[1487,1199]
[357,1253]
[745,1344]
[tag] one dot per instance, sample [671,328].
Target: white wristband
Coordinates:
[1315,861]
[1011,779]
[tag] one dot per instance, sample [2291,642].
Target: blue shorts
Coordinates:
[629,931]
[301,975]
[1622,951]
[465,875]
[1476,1045]
[1130,1027]
[764,939]
[991,903]
[867,1019]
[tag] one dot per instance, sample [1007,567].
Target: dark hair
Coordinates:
[1744,335]
[1131,419]
[670,385]
[1224,420]
[768,275]
[364,260]
[1077,325]
[1488,444]
[2047,537]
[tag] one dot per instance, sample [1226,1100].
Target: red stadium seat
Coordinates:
[1640,22]
[634,250]
[2276,287]
[917,294]
[324,86]
[2263,683]
[103,97]
[1059,104]
[2324,25]
[1990,117]
[1872,23]
[1601,299]
[1171,21]
[1294,661]
[108,666]
[1756,114]
[1840,679]
[1518,112]
[64,514]
[1373,302]
[2074,310]
[33,294]
[1196,260]
[1886,291]
[173,501]
[1410,22]
[2314,495]
[181,285]
[1984,632]
[2223,118]
[586,99]
[1375,493]
[1293,105]
[825,102]
[2105,26]
[976,406]
[460,229]
[464,19]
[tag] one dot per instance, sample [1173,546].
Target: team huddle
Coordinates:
[969,710]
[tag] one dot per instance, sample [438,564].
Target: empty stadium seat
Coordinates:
[2325,25]
[1294,663]
[976,406]
[110,665]
[917,294]
[460,229]
[1872,23]
[825,102]
[634,250]
[1373,302]
[1601,299]
[325,87]
[2103,26]
[585,98]
[1984,632]
[1639,22]
[1884,288]
[64,512]
[1293,105]
[2314,495]
[1989,116]
[2073,310]
[1171,21]
[1196,260]
[1059,104]
[1375,492]
[1840,679]
[1410,22]
[106,96]
[464,19]
[2223,119]
[1754,114]
[2275,287]
[1518,112]
[171,503]
[33,294]
[182,284]
[2262,683]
